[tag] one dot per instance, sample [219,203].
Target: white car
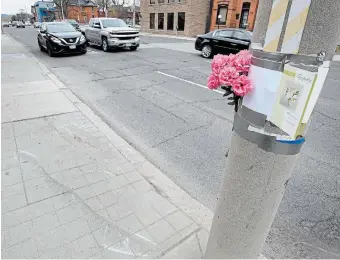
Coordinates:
[27,23]
[36,25]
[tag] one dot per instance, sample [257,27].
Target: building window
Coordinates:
[152,2]
[161,1]
[152,21]
[222,11]
[181,21]
[161,21]
[170,26]
[244,15]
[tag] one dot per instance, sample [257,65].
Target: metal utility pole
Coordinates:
[258,166]
[134,14]
[78,11]
[62,9]
[21,14]
[26,13]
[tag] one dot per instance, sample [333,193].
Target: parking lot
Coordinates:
[156,99]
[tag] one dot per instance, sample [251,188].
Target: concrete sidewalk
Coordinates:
[72,188]
[168,36]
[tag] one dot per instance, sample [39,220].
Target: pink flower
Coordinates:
[242,61]
[213,82]
[242,86]
[244,52]
[231,59]
[228,75]
[218,62]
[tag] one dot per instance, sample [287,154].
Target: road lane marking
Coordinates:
[188,81]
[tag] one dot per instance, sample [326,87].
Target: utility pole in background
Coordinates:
[62,9]
[78,11]
[255,178]
[134,14]
[21,14]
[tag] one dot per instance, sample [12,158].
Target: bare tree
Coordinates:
[104,5]
[119,2]
[62,5]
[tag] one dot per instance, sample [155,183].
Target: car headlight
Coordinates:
[137,39]
[82,39]
[55,39]
[115,39]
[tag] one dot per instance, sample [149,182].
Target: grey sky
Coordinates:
[13,6]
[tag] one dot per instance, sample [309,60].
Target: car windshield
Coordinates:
[60,27]
[113,23]
[72,21]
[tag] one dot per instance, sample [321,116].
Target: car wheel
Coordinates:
[207,51]
[105,45]
[133,48]
[49,51]
[84,52]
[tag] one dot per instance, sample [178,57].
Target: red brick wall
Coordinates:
[85,13]
[234,9]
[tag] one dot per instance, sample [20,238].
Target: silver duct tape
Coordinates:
[269,60]
[265,142]
[271,65]
[253,116]
[273,56]
[276,61]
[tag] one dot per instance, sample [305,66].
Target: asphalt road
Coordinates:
[154,98]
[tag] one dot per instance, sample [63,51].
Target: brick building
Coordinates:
[79,10]
[234,14]
[175,17]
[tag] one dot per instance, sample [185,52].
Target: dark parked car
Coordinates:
[20,25]
[5,24]
[60,38]
[223,41]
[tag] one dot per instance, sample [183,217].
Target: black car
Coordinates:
[60,38]
[223,41]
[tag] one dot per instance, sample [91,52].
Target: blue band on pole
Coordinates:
[297,141]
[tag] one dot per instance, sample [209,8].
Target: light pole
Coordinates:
[134,14]
[258,166]
[62,9]
[218,21]
[26,13]
[78,11]
[21,14]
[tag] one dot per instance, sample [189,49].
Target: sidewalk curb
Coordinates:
[168,36]
[201,215]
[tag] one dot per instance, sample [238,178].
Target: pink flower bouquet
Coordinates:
[230,72]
